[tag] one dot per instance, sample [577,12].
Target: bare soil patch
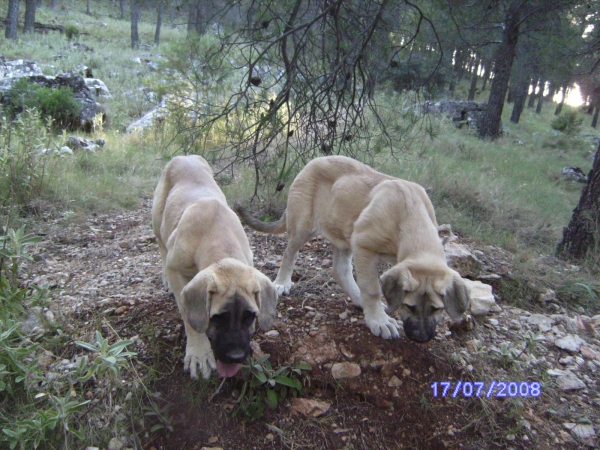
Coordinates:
[106,275]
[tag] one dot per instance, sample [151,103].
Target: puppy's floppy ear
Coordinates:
[456,298]
[395,283]
[196,300]
[267,298]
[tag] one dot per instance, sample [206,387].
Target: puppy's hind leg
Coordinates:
[283,283]
[342,273]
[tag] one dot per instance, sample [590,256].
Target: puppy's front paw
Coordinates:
[283,288]
[382,325]
[199,356]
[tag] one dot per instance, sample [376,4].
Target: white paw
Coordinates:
[199,357]
[283,288]
[382,325]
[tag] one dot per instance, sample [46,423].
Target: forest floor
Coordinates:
[105,274]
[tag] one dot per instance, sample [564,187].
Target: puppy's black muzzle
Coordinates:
[421,331]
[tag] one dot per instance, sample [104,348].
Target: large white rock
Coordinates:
[481,297]
[570,342]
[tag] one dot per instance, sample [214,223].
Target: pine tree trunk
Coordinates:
[533,94]
[538,108]
[486,75]
[30,6]
[159,11]
[473,87]
[135,18]
[562,101]
[88,10]
[520,96]
[201,17]
[123,6]
[503,61]
[581,238]
[12,19]
[595,117]
[192,16]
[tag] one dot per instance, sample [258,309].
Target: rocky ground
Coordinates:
[364,392]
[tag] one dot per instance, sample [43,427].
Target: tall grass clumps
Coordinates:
[27,157]
[54,394]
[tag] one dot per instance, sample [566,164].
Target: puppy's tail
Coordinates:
[277,227]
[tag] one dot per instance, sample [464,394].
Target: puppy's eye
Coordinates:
[248,317]
[434,309]
[412,308]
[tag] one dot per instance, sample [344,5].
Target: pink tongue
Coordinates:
[227,370]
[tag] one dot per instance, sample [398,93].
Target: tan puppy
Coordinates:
[373,217]
[207,264]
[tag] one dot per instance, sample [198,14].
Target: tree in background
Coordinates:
[135,18]
[309,75]
[12,19]
[581,238]
[502,24]
[30,6]
[159,12]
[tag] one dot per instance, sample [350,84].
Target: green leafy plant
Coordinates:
[108,358]
[568,122]
[162,416]
[59,105]
[71,31]
[263,386]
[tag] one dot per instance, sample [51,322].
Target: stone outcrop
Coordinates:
[461,112]
[12,71]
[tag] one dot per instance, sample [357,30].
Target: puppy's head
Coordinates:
[422,293]
[224,301]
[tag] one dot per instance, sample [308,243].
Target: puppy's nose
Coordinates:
[236,355]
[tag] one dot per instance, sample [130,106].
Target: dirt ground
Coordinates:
[105,274]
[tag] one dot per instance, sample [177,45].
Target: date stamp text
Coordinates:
[486,389]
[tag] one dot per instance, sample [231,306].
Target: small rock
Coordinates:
[344,315]
[345,370]
[120,310]
[570,342]
[547,296]
[115,444]
[583,432]
[566,360]
[272,333]
[462,260]
[589,353]
[213,439]
[481,296]
[472,345]
[309,407]
[543,322]
[493,322]
[394,381]
[347,353]
[569,382]
[406,373]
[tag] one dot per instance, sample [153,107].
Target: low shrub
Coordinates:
[58,105]
[71,31]
[568,123]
